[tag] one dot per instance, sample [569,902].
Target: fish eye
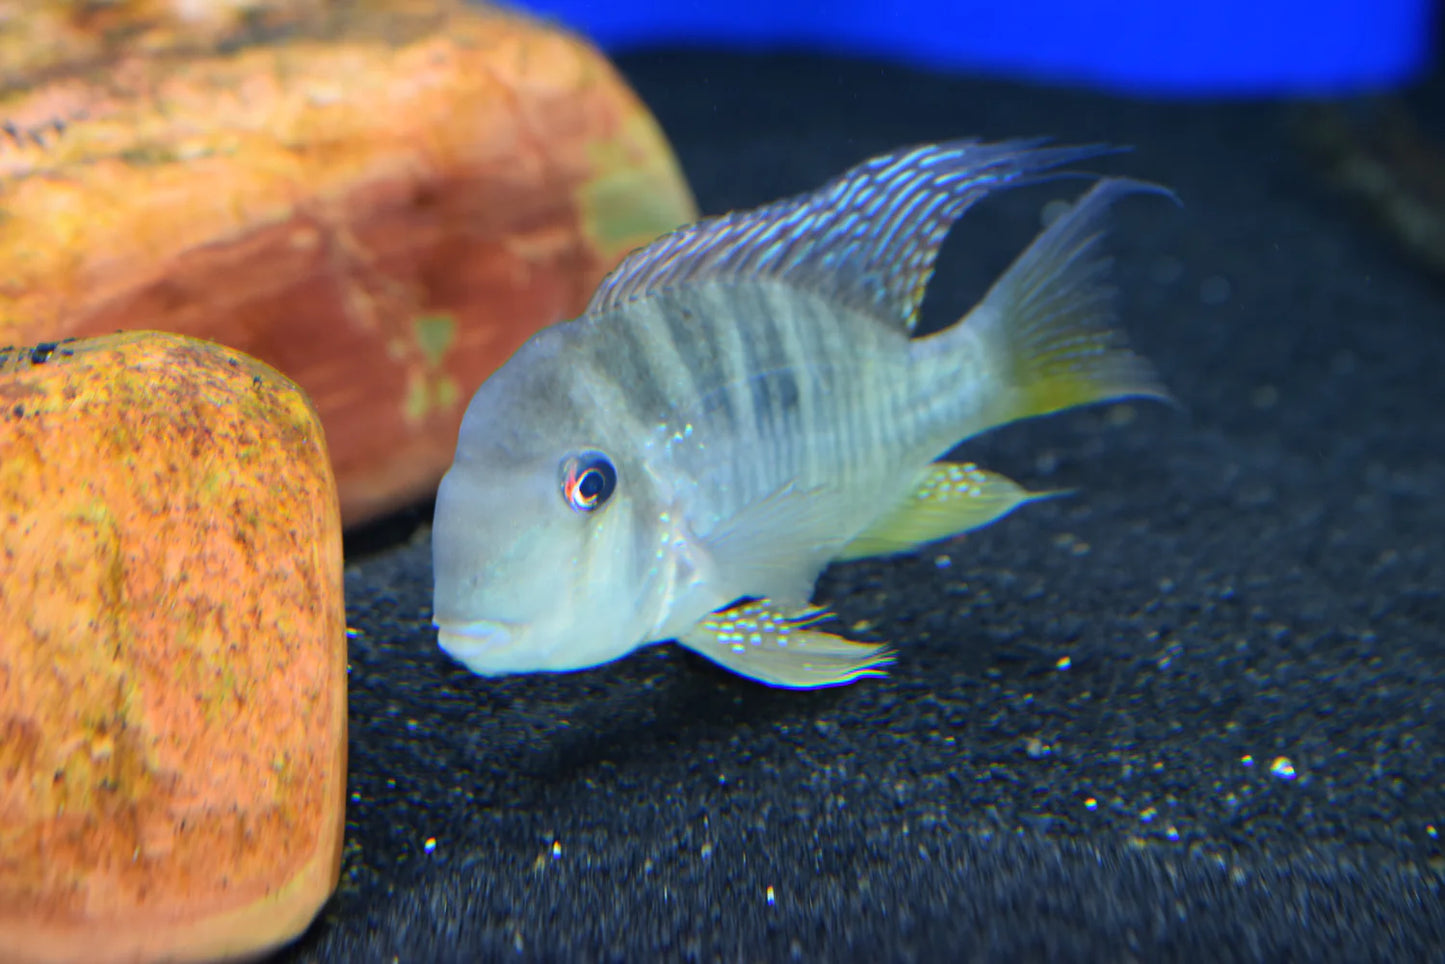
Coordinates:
[588,479]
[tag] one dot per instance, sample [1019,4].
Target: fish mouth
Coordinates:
[468,642]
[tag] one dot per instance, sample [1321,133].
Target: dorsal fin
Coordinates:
[867,239]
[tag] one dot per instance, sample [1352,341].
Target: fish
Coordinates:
[745,401]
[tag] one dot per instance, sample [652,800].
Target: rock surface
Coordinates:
[172,654]
[382,199]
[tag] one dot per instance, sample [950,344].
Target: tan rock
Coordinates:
[172,654]
[383,203]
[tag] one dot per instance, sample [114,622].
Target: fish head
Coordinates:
[544,545]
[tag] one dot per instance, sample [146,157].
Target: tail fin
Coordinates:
[1047,329]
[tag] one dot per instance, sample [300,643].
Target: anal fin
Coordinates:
[951,499]
[772,646]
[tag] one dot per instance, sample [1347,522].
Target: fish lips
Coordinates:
[481,645]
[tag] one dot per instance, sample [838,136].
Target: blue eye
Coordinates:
[588,479]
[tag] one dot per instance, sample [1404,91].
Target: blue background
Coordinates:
[1162,47]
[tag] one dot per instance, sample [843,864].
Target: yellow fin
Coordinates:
[762,642]
[951,499]
[1048,323]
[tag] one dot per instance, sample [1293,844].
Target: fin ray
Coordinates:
[951,499]
[775,546]
[781,648]
[868,238]
[1049,321]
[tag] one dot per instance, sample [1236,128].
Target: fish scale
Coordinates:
[850,421]
[860,420]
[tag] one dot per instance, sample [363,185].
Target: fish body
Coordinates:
[744,402]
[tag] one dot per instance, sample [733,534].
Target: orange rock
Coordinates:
[38,37]
[172,654]
[383,205]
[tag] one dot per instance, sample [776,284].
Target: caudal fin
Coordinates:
[1047,328]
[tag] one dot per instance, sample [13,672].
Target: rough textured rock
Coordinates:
[172,653]
[37,39]
[380,198]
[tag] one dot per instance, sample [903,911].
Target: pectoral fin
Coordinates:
[951,499]
[771,646]
[775,546]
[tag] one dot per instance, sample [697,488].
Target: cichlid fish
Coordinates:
[742,403]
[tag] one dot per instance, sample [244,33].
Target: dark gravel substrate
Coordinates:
[1081,752]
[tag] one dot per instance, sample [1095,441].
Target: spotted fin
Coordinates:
[867,239]
[765,643]
[951,499]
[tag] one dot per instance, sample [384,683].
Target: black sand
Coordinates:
[1256,579]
